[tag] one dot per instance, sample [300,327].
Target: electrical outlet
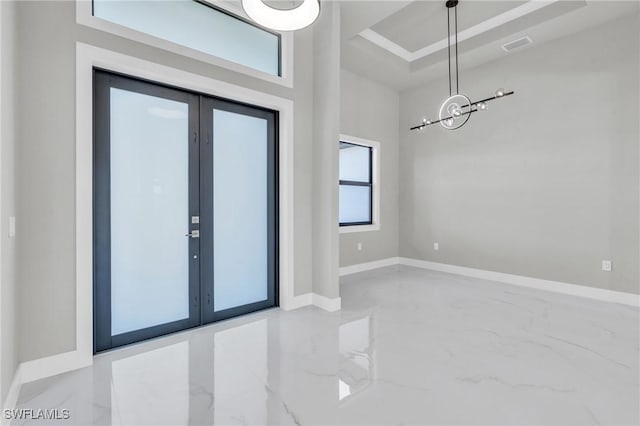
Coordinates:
[606,265]
[12,226]
[436,246]
[359,245]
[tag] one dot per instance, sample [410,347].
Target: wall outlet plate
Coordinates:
[606,265]
[359,246]
[436,246]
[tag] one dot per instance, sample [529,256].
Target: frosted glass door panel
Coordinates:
[149,211]
[240,219]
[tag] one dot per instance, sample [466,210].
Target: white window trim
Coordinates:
[84,16]
[375,190]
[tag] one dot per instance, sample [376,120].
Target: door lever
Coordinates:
[194,234]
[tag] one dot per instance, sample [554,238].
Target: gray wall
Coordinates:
[543,184]
[326,128]
[371,111]
[46,37]
[303,99]
[8,347]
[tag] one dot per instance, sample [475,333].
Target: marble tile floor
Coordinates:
[410,346]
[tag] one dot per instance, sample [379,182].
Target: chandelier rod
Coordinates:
[455,10]
[449,47]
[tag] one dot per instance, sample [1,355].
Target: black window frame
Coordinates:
[368,184]
[232,15]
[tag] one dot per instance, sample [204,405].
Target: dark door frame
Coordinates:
[103,81]
[208,105]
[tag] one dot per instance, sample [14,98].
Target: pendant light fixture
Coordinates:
[293,19]
[456,110]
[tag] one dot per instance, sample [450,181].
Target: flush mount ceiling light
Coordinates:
[293,19]
[456,110]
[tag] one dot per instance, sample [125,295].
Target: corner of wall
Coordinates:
[326,128]
[8,288]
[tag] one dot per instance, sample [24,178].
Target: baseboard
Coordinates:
[73,360]
[330,305]
[535,283]
[298,302]
[313,299]
[11,400]
[362,267]
[53,365]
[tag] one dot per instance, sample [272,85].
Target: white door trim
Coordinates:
[88,57]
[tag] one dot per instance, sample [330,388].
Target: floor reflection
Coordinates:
[356,373]
[408,347]
[152,387]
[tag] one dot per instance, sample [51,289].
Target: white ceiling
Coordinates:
[402,44]
[423,23]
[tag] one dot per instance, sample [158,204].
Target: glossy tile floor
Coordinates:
[409,347]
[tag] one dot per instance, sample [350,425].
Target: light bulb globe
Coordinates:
[297,18]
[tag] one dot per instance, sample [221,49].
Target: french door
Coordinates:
[185,209]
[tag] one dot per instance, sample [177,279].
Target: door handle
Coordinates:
[194,234]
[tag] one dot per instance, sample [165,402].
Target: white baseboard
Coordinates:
[55,364]
[11,400]
[298,302]
[519,280]
[36,369]
[330,305]
[362,267]
[536,283]
[313,299]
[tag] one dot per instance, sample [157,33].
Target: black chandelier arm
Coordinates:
[437,121]
[493,97]
[471,105]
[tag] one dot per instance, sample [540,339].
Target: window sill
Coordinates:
[359,228]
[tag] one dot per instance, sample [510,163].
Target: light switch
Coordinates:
[12,226]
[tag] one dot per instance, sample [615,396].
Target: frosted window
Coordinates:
[240,225]
[355,184]
[355,162]
[355,204]
[149,211]
[200,27]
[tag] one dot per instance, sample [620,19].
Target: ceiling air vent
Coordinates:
[517,44]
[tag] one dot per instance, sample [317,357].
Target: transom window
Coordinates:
[356,184]
[200,26]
